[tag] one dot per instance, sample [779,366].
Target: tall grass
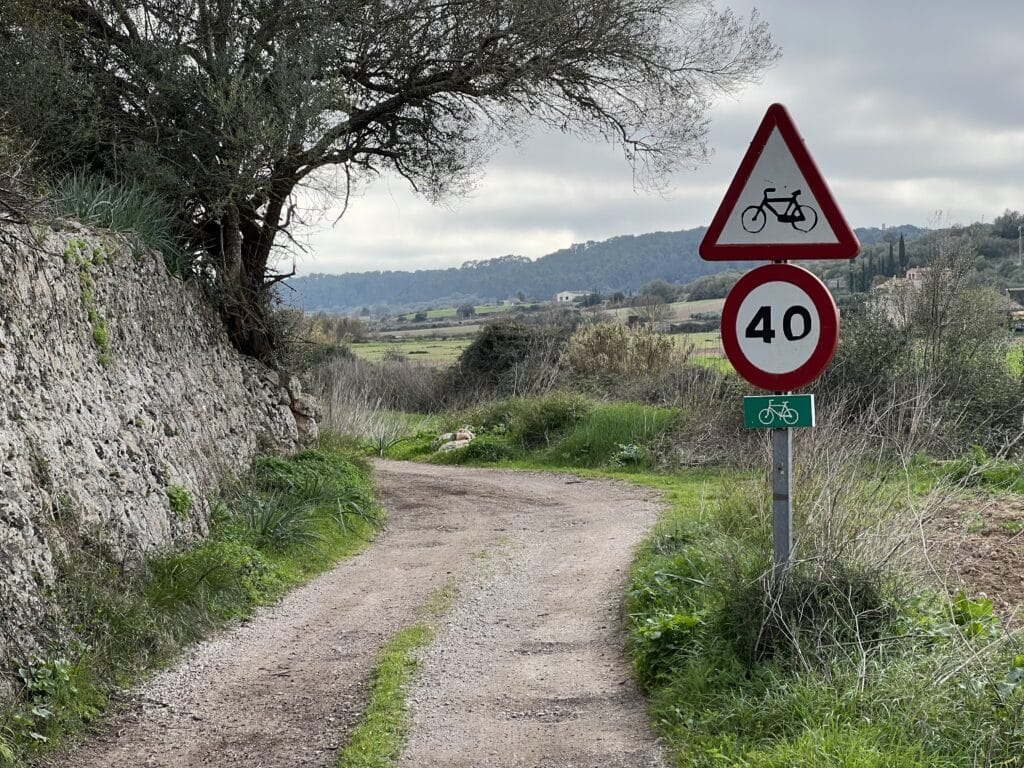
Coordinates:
[615,433]
[856,659]
[126,208]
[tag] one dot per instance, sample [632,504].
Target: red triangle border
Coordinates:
[847,247]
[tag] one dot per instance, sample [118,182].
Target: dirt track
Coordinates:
[526,671]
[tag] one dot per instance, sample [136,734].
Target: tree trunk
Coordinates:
[244,249]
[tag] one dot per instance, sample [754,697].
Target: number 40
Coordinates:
[760,326]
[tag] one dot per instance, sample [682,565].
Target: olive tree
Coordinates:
[229,107]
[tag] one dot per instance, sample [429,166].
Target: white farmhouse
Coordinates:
[567,297]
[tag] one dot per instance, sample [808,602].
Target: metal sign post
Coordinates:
[782,500]
[780,325]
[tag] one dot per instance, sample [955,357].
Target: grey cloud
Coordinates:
[907,107]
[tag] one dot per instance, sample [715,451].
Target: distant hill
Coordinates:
[623,263]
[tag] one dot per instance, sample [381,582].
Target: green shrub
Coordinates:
[602,437]
[532,422]
[485,449]
[822,610]
[535,422]
[510,357]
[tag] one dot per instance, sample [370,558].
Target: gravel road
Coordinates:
[526,671]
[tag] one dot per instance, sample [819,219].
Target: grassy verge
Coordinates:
[846,666]
[377,741]
[554,431]
[286,521]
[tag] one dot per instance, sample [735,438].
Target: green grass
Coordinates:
[555,431]
[125,208]
[289,519]
[378,738]
[929,683]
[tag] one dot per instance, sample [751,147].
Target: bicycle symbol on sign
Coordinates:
[802,217]
[778,409]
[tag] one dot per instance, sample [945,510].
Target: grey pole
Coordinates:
[782,500]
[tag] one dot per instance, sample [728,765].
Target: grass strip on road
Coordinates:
[378,739]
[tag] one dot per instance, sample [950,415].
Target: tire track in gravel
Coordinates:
[526,671]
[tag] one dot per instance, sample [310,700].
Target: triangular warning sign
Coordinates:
[778,206]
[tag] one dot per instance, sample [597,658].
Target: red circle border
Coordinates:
[828,338]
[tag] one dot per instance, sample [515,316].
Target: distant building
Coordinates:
[567,297]
[1015,309]
[915,276]
[913,280]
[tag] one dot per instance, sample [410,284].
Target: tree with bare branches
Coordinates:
[229,107]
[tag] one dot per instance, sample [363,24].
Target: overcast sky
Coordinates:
[913,110]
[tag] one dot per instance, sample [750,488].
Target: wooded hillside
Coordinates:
[623,263]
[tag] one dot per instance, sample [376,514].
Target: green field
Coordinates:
[443,351]
[424,349]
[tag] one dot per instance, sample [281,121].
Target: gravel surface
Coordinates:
[527,670]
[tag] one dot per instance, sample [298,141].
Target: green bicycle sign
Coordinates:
[778,411]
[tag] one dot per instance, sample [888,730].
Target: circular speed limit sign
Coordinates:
[780,327]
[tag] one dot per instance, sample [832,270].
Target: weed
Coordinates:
[41,471]
[180,500]
[58,695]
[630,455]
[1016,525]
[78,252]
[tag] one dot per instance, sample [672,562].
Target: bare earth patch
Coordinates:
[979,543]
[528,669]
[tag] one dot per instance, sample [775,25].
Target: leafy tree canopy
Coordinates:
[1008,224]
[226,107]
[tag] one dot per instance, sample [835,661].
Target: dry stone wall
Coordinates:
[119,389]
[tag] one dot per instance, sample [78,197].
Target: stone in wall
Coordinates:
[118,384]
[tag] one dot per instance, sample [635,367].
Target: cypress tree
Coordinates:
[904,261]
